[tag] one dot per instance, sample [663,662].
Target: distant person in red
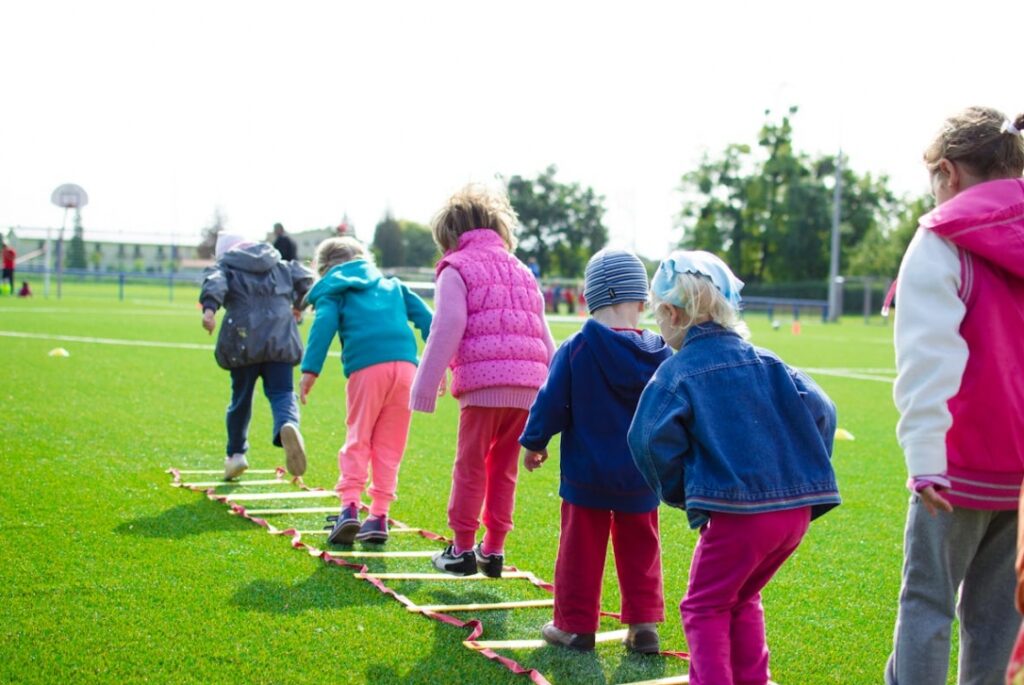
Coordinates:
[570,299]
[8,257]
[25,291]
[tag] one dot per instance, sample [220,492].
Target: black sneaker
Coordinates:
[642,638]
[458,565]
[345,527]
[374,529]
[489,564]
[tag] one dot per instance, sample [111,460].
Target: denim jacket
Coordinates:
[726,426]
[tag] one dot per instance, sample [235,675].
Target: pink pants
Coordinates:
[579,568]
[722,615]
[378,427]
[484,476]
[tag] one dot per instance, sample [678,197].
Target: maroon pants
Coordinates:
[579,568]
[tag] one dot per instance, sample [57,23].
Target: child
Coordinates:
[741,441]
[25,291]
[258,339]
[490,327]
[959,363]
[370,313]
[590,395]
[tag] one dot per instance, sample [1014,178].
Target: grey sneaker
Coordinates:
[346,525]
[489,564]
[294,449]
[642,638]
[581,642]
[374,529]
[234,466]
[458,565]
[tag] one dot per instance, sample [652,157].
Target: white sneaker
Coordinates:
[294,449]
[234,466]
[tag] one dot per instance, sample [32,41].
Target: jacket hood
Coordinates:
[986,220]
[256,258]
[357,274]
[626,359]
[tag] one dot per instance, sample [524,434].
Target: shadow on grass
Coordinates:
[200,516]
[327,588]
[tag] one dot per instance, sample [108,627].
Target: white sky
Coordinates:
[300,111]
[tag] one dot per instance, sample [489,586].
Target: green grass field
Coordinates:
[108,574]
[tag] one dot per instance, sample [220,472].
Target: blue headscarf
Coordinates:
[705,264]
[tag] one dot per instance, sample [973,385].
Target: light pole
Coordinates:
[834,279]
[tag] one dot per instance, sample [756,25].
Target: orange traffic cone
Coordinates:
[795,327]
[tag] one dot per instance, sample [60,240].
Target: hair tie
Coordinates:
[1008,127]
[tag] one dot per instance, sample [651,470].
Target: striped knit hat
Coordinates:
[614,276]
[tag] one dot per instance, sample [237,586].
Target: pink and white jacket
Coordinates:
[490,326]
[959,337]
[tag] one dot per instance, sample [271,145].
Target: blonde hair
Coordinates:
[975,138]
[335,251]
[702,302]
[475,206]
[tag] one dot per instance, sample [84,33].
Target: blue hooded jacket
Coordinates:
[592,390]
[369,312]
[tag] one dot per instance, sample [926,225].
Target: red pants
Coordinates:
[579,569]
[722,615]
[484,476]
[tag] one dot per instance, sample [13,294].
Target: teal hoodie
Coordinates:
[369,313]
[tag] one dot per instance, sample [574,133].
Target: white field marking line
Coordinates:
[843,339]
[441,576]
[122,342]
[295,510]
[497,606]
[610,636]
[303,494]
[210,472]
[849,373]
[172,311]
[405,554]
[219,483]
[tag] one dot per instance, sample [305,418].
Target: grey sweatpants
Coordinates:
[971,550]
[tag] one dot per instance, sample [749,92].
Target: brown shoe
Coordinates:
[642,638]
[581,642]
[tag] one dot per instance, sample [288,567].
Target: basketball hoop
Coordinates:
[69,196]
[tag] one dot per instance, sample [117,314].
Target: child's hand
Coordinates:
[305,385]
[532,460]
[444,382]
[209,321]
[297,314]
[933,501]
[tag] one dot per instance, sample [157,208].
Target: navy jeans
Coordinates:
[277,386]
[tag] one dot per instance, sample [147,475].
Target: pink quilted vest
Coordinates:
[504,340]
[985,445]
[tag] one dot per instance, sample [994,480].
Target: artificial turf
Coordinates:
[108,574]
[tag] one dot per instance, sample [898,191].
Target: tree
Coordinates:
[418,244]
[208,244]
[387,242]
[76,250]
[768,211]
[882,248]
[561,224]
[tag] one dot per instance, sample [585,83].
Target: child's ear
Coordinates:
[679,318]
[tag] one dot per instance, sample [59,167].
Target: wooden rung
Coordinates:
[209,472]
[671,680]
[442,608]
[301,494]
[327,532]
[610,636]
[218,483]
[294,510]
[437,576]
[380,555]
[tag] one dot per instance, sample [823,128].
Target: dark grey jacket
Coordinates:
[258,290]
